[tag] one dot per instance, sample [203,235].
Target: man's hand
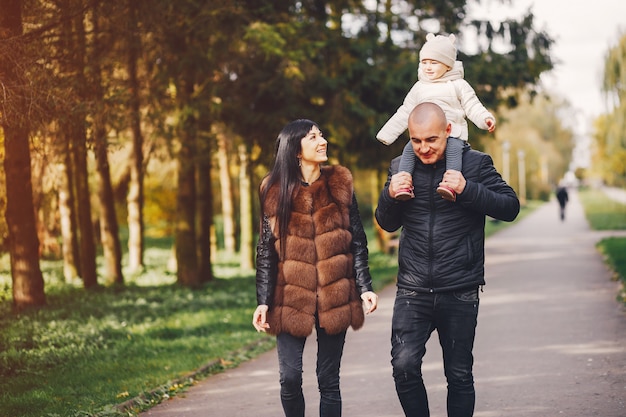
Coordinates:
[454,180]
[400,181]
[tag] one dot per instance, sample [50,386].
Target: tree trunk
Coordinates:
[382,238]
[228,215]
[67,215]
[135,197]
[79,162]
[185,234]
[109,229]
[83,208]
[185,239]
[28,285]
[204,205]
[65,169]
[27,279]
[205,216]
[246,251]
[213,233]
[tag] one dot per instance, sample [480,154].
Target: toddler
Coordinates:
[440,81]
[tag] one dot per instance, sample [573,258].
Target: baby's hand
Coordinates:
[491,124]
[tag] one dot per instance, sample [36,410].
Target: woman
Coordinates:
[312,263]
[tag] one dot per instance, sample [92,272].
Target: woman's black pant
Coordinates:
[329,351]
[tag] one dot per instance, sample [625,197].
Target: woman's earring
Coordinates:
[300,162]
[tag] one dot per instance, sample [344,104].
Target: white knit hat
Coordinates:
[440,48]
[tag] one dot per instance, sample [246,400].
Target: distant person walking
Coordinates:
[562,197]
[312,264]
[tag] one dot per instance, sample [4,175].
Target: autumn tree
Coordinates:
[79,147]
[178,73]
[191,42]
[27,279]
[610,128]
[109,229]
[135,196]
[534,127]
[67,70]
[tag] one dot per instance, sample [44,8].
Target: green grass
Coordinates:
[602,212]
[614,251]
[606,214]
[87,351]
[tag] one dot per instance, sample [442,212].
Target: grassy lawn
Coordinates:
[602,212]
[85,353]
[614,251]
[606,214]
[87,350]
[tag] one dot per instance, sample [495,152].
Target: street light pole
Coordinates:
[506,146]
[521,166]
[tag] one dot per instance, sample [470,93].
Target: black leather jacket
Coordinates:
[442,243]
[267,258]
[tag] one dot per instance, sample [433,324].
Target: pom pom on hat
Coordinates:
[440,48]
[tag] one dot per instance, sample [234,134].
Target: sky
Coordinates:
[583,33]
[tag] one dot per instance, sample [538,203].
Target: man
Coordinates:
[562,197]
[440,259]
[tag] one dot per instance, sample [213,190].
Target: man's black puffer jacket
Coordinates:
[442,243]
[267,258]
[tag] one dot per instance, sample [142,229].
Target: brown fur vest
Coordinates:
[316,275]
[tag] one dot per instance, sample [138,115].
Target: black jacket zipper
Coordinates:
[430,229]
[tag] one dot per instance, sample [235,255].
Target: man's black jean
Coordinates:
[415,316]
[329,352]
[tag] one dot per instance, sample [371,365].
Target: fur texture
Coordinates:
[316,274]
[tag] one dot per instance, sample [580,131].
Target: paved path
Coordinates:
[551,340]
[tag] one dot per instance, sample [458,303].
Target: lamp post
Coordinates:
[545,170]
[521,166]
[506,146]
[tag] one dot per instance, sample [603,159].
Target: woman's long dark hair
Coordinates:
[286,173]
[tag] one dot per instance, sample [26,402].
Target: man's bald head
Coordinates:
[429,130]
[428,113]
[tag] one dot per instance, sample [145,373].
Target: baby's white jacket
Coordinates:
[452,93]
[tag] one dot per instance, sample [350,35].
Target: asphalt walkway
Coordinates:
[551,340]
